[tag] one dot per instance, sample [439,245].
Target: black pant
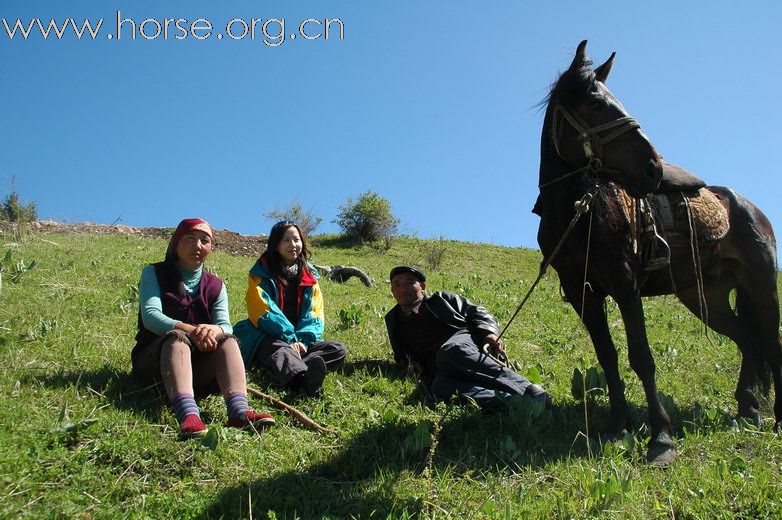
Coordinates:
[463,370]
[283,363]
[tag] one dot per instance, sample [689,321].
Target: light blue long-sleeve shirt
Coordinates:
[152,306]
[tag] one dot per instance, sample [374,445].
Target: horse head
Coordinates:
[590,131]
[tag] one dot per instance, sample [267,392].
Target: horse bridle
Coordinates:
[590,139]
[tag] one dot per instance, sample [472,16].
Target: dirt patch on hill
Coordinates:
[226,241]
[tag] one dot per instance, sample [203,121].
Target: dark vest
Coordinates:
[178,304]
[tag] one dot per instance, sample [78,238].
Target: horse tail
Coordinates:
[747,316]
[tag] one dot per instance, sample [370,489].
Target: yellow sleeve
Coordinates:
[257,306]
[317,303]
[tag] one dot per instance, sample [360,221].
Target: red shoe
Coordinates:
[251,420]
[192,426]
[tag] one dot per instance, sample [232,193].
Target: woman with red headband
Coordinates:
[185,338]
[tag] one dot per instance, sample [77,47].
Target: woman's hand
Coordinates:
[299,348]
[204,337]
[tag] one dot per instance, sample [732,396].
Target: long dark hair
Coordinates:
[271,254]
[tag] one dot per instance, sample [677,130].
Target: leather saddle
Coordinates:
[676,179]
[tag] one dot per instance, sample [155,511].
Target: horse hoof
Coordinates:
[661,456]
[777,426]
[752,416]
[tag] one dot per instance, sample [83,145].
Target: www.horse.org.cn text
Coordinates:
[271,31]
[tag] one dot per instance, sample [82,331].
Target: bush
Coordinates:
[435,252]
[295,212]
[368,219]
[13,210]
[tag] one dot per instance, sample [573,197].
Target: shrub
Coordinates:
[368,218]
[295,212]
[13,210]
[435,252]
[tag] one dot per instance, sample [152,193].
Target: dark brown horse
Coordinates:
[589,142]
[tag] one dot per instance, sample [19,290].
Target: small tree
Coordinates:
[368,219]
[13,210]
[295,212]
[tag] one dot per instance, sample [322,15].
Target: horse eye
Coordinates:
[596,104]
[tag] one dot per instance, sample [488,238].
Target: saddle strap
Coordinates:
[664,211]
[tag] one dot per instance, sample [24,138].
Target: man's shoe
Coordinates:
[192,426]
[251,420]
[314,376]
[538,395]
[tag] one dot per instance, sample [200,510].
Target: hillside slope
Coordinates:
[80,439]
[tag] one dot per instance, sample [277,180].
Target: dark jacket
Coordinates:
[451,309]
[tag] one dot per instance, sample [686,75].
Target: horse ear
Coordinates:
[601,73]
[580,57]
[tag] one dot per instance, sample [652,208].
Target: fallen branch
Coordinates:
[341,274]
[301,416]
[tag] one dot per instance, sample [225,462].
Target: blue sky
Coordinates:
[431,104]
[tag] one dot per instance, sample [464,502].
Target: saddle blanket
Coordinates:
[677,215]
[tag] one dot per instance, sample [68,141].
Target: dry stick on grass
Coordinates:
[301,416]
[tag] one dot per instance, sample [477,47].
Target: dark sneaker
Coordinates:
[192,426]
[251,420]
[537,394]
[314,376]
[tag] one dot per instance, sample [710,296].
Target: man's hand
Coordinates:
[496,345]
[495,348]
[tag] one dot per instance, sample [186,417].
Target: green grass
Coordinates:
[79,439]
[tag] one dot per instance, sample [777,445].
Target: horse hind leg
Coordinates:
[723,320]
[751,248]
[757,307]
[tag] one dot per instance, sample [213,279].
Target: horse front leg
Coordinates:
[596,323]
[661,450]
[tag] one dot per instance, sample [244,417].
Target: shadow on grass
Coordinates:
[381,463]
[118,387]
[388,369]
[373,367]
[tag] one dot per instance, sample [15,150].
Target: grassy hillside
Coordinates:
[79,439]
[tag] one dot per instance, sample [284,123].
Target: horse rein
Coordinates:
[590,139]
[581,207]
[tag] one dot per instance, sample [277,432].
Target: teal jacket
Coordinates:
[265,317]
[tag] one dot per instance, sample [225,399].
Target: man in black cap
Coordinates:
[441,336]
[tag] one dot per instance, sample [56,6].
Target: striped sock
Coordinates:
[237,405]
[184,405]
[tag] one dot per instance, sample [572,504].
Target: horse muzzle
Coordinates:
[648,180]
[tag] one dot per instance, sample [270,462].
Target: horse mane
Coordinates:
[571,84]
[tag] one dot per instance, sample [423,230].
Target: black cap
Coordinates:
[407,269]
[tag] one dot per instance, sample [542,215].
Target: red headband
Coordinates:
[188,225]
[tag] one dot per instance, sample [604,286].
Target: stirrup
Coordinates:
[660,261]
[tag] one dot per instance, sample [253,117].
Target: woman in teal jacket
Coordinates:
[284,329]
